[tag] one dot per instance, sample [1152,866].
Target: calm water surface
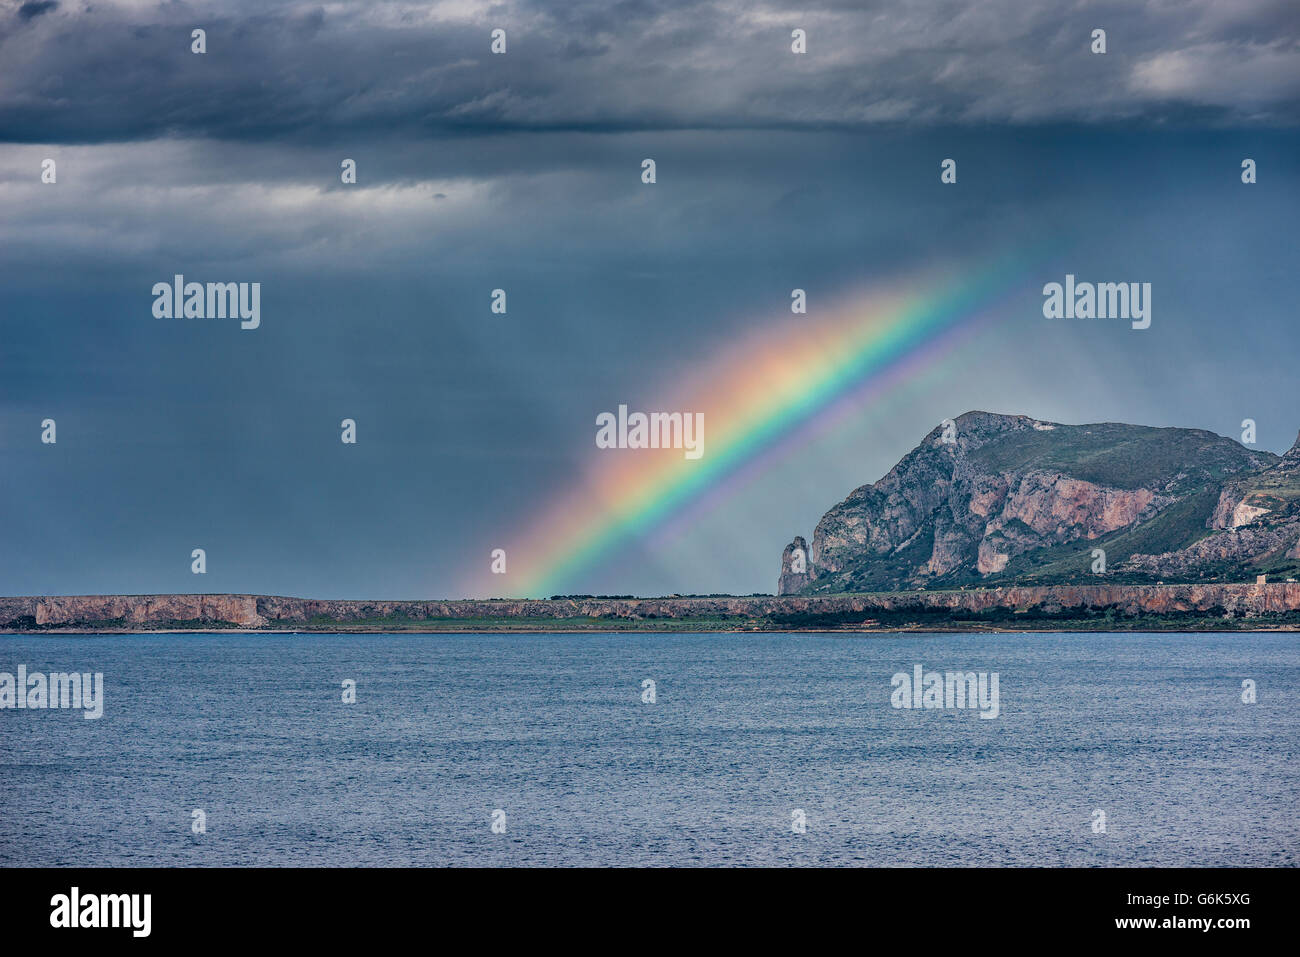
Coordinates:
[552,730]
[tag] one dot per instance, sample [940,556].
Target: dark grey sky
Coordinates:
[522,171]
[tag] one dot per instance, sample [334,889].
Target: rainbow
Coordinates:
[793,378]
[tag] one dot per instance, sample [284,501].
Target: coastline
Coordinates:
[1214,607]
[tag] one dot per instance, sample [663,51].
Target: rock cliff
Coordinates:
[794,567]
[1280,600]
[996,499]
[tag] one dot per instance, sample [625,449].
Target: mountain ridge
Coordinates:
[992,499]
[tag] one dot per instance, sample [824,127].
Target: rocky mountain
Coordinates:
[1006,499]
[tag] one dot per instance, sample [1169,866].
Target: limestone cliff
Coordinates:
[1008,499]
[795,563]
[1214,604]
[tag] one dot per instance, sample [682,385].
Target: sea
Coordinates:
[654,750]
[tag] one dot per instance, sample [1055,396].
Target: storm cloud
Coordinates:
[84,73]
